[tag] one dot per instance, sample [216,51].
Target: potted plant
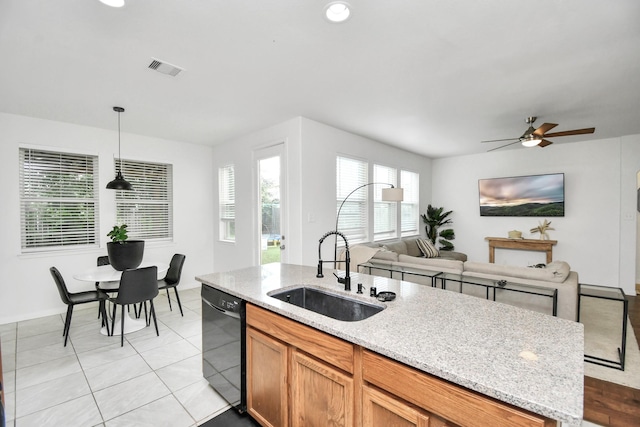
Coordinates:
[123,253]
[435,218]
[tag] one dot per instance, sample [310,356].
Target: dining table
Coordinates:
[108,280]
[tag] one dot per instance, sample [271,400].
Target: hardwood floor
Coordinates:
[610,404]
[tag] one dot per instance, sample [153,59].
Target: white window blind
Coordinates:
[410,182]
[58,200]
[353,220]
[227,203]
[384,213]
[148,208]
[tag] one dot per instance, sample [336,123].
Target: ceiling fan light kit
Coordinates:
[113,3]
[536,137]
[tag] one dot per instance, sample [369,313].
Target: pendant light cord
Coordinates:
[119,155]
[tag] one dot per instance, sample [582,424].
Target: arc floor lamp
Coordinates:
[391,194]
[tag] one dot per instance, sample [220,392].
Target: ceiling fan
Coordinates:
[532,137]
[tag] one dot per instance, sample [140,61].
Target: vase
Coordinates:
[125,255]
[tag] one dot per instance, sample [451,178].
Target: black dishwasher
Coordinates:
[223,345]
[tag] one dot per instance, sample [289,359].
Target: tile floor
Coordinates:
[151,381]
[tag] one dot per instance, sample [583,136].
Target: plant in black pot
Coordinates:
[435,219]
[123,253]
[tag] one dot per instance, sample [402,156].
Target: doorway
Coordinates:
[269,164]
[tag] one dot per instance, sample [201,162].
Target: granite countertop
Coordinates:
[528,359]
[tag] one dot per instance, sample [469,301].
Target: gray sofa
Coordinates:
[406,256]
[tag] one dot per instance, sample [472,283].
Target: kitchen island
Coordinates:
[523,358]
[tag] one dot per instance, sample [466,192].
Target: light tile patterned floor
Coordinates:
[151,381]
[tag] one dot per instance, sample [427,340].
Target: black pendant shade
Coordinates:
[119,183]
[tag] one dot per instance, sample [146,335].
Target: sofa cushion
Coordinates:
[433,264]
[399,247]
[412,247]
[556,271]
[386,255]
[427,248]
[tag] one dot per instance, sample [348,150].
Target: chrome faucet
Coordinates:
[346,280]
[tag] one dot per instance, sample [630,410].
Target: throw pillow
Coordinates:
[427,248]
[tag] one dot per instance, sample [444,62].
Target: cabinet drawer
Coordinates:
[325,347]
[455,403]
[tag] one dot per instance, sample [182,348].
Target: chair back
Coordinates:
[138,285]
[175,269]
[103,260]
[62,287]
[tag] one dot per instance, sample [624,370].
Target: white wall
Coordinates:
[27,289]
[311,150]
[595,236]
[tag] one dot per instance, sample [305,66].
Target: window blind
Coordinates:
[384,213]
[227,202]
[148,208]
[58,200]
[353,220]
[409,216]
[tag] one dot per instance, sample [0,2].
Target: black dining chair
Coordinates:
[172,279]
[136,286]
[75,298]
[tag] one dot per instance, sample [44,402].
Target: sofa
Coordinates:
[404,256]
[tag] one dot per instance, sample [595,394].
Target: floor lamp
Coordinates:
[391,194]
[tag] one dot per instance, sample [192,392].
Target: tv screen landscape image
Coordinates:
[532,195]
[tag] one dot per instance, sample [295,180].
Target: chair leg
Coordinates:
[175,289]
[147,318]
[67,324]
[155,321]
[122,329]
[103,314]
[113,317]
[169,299]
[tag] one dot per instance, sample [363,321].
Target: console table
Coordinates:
[523,244]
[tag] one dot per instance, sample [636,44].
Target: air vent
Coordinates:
[164,67]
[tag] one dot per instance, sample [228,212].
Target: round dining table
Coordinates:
[108,280]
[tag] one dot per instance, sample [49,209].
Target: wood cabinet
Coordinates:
[298,376]
[381,409]
[267,398]
[320,394]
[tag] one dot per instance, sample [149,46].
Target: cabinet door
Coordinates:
[382,410]
[321,395]
[267,399]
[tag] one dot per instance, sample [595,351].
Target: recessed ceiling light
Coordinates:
[337,11]
[113,3]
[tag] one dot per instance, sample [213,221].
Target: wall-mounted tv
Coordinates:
[532,195]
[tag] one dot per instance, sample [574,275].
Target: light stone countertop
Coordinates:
[469,341]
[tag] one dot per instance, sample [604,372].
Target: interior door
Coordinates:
[271,203]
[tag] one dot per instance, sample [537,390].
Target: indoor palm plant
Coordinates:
[435,219]
[124,253]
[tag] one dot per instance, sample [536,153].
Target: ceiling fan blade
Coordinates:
[502,146]
[544,128]
[499,140]
[544,143]
[571,132]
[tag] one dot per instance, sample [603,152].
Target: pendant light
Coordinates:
[119,183]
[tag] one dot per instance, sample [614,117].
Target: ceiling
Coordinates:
[430,76]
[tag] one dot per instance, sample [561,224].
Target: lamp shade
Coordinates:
[392,194]
[119,183]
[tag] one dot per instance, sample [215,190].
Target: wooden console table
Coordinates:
[523,244]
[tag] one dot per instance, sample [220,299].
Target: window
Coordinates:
[147,209]
[227,203]
[353,220]
[384,213]
[58,200]
[410,182]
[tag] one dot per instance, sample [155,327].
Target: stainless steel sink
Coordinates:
[336,306]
